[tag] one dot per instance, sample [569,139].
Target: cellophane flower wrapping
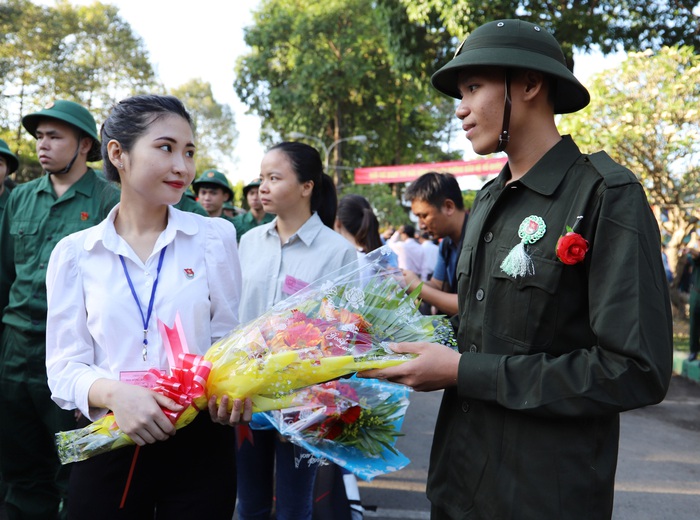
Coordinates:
[335,326]
[353,423]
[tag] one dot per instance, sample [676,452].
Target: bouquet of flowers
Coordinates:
[333,327]
[351,422]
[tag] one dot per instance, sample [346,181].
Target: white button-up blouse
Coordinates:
[94,327]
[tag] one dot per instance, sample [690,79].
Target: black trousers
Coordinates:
[190,476]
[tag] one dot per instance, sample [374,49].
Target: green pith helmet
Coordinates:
[514,44]
[12,161]
[216,178]
[255,183]
[71,113]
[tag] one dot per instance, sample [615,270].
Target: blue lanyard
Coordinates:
[146,318]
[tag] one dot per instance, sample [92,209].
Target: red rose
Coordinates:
[351,415]
[571,248]
[333,430]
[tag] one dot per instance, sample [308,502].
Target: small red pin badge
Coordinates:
[189,272]
[84,215]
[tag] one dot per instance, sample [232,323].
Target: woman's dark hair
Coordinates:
[130,119]
[435,188]
[356,215]
[307,165]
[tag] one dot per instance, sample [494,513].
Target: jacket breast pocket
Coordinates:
[464,269]
[523,310]
[24,236]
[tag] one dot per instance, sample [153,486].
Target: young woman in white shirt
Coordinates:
[277,259]
[107,288]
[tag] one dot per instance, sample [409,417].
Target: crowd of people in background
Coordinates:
[279,208]
[158,239]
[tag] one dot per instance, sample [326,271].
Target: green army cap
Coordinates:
[255,183]
[516,44]
[12,161]
[71,113]
[213,177]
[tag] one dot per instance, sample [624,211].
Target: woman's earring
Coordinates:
[121,165]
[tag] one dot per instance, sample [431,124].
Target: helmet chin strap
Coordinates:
[504,138]
[68,166]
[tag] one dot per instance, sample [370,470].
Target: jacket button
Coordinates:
[488,237]
[465,406]
[472,348]
[480,294]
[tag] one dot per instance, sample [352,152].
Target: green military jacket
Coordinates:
[187,203]
[695,277]
[33,222]
[232,220]
[3,200]
[550,359]
[246,221]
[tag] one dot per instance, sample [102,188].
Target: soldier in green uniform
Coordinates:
[188,202]
[564,313]
[229,209]
[256,215]
[212,190]
[68,198]
[8,164]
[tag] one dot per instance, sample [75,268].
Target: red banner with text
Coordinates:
[410,172]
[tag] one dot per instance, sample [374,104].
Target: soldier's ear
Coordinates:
[533,81]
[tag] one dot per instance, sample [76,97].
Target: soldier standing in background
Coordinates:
[68,198]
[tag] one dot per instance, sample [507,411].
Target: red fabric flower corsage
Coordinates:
[571,247]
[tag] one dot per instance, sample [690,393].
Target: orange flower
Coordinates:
[346,317]
[298,335]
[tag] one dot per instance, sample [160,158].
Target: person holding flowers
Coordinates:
[108,288]
[277,259]
[564,313]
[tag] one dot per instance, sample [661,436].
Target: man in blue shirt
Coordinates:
[436,199]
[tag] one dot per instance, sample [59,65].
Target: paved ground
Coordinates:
[658,473]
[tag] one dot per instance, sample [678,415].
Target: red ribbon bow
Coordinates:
[189,372]
[185,384]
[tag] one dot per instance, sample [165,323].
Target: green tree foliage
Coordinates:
[645,115]
[582,24]
[324,68]
[99,60]
[238,199]
[87,54]
[214,122]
